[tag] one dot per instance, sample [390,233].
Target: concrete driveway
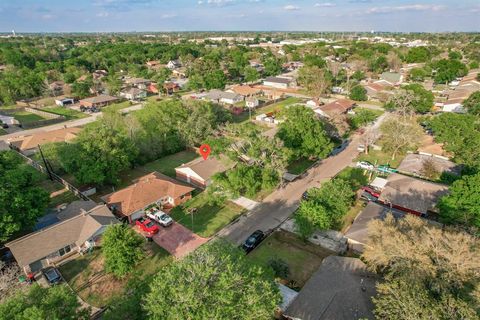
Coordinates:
[178,240]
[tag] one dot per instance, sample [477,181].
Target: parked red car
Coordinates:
[373,192]
[147,225]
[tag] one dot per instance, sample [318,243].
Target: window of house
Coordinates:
[65,250]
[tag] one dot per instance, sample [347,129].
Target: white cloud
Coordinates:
[412,7]
[103,14]
[168,15]
[291,7]
[324,5]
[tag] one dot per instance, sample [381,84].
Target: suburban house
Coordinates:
[173,64]
[251,102]
[29,144]
[412,195]
[279,82]
[51,245]
[341,289]
[154,188]
[376,90]
[453,105]
[273,94]
[171,87]
[391,79]
[199,172]
[154,64]
[98,101]
[357,234]
[139,83]
[335,108]
[133,94]
[413,165]
[219,96]
[246,91]
[180,73]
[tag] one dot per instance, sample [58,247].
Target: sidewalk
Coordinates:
[246,203]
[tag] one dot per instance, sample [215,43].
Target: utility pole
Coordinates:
[46,163]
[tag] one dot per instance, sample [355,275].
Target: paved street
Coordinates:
[69,124]
[280,204]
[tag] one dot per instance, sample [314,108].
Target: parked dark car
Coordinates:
[253,241]
[368,197]
[4,125]
[52,275]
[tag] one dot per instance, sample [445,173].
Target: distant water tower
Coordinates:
[372,32]
[13,33]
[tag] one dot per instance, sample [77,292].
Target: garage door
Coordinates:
[137,215]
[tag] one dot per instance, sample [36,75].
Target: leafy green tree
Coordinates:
[21,201]
[460,134]
[215,80]
[251,74]
[113,84]
[316,80]
[81,89]
[324,207]
[472,104]
[215,282]
[400,135]
[362,117]
[358,93]
[454,55]
[128,305]
[423,99]
[99,154]
[448,70]
[304,134]
[272,67]
[57,302]
[417,74]
[418,54]
[122,249]
[462,204]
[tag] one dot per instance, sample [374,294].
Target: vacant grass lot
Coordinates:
[87,277]
[167,164]
[117,106]
[277,107]
[380,157]
[25,117]
[303,259]
[70,114]
[208,219]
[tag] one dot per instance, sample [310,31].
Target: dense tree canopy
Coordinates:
[304,133]
[57,302]
[214,282]
[448,70]
[462,204]
[122,248]
[324,207]
[358,93]
[21,202]
[472,104]
[432,273]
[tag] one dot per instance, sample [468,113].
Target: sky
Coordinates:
[239,15]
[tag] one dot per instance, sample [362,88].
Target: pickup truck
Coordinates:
[161,217]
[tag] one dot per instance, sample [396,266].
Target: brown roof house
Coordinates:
[51,245]
[154,188]
[199,172]
[341,289]
[29,144]
[246,91]
[335,108]
[98,101]
[357,234]
[412,195]
[413,165]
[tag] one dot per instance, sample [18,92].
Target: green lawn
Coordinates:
[70,114]
[26,117]
[2,132]
[117,106]
[303,259]
[208,219]
[348,218]
[299,166]
[86,274]
[278,106]
[65,197]
[167,164]
[381,157]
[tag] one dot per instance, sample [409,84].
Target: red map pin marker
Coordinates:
[204,151]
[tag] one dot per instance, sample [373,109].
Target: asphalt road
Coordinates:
[280,204]
[68,124]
